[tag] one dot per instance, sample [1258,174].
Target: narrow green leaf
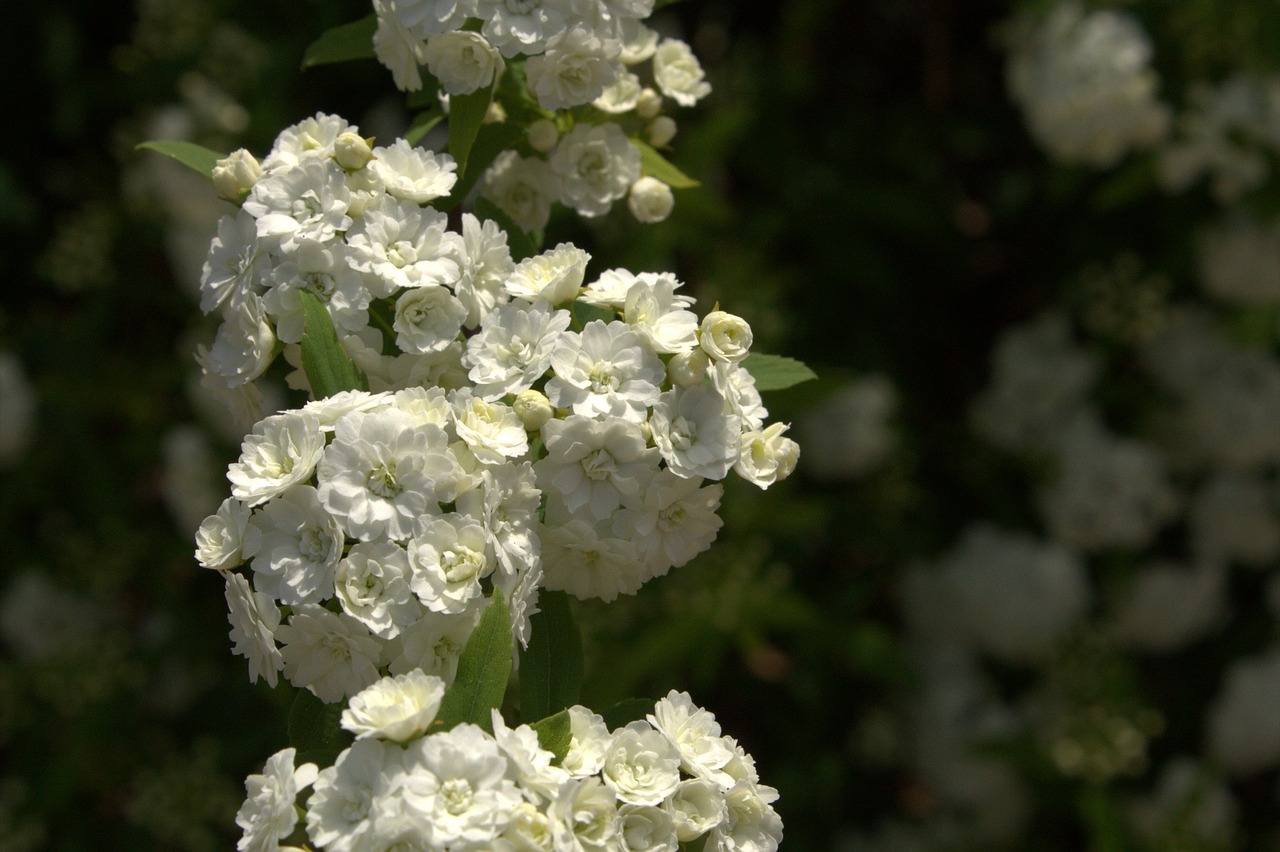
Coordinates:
[326,363]
[483,670]
[554,734]
[421,126]
[315,731]
[583,313]
[627,711]
[655,165]
[342,43]
[776,372]
[466,114]
[520,243]
[551,667]
[491,141]
[195,157]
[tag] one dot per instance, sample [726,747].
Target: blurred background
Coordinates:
[1021,592]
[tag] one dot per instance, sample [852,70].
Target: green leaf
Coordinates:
[327,365]
[520,243]
[627,711]
[554,734]
[421,126]
[483,670]
[342,43]
[466,114]
[195,157]
[551,667]
[491,141]
[584,313]
[655,165]
[315,731]
[698,844]
[775,372]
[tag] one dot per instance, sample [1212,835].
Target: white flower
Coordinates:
[595,464]
[588,738]
[514,348]
[267,815]
[608,370]
[524,27]
[584,816]
[320,269]
[643,828]
[484,263]
[353,798]
[383,471]
[653,309]
[725,337]
[413,174]
[610,290]
[399,41]
[427,319]
[463,61]
[522,187]
[638,41]
[310,139]
[330,410]
[696,807]
[553,277]
[236,264]
[331,654]
[575,69]
[578,560]
[673,522]
[768,456]
[306,202]
[738,387]
[650,200]
[372,584]
[695,733]
[245,343]
[693,434]
[254,619]
[402,245]
[641,765]
[1169,606]
[492,431]
[1243,727]
[596,165]
[281,451]
[464,795]
[221,536]
[619,97]
[449,557]
[434,642]
[395,708]
[300,545]
[678,74]
[751,824]
[528,763]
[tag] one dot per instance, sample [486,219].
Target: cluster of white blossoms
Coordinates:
[656,783]
[568,54]
[1085,84]
[506,444]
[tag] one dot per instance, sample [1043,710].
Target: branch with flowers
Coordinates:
[490,431]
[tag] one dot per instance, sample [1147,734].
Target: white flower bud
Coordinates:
[543,135]
[533,408]
[687,369]
[768,456]
[351,151]
[648,103]
[235,174]
[725,337]
[650,200]
[496,114]
[661,130]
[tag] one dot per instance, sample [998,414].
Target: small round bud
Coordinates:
[725,337]
[650,200]
[235,174]
[533,408]
[351,151]
[543,135]
[648,103]
[661,130]
[496,114]
[687,369]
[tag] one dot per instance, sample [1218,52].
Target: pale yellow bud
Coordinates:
[687,369]
[661,131]
[351,151]
[543,135]
[648,103]
[533,408]
[235,174]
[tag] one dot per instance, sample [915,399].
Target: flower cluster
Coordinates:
[1085,84]
[596,58]
[507,444]
[653,784]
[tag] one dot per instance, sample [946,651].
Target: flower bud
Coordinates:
[533,408]
[687,369]
[648,103]
[650,200]
[661,130]
[543,135]
[496,114]
[768,456]
[725,337]
[351,151]
[235,174]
